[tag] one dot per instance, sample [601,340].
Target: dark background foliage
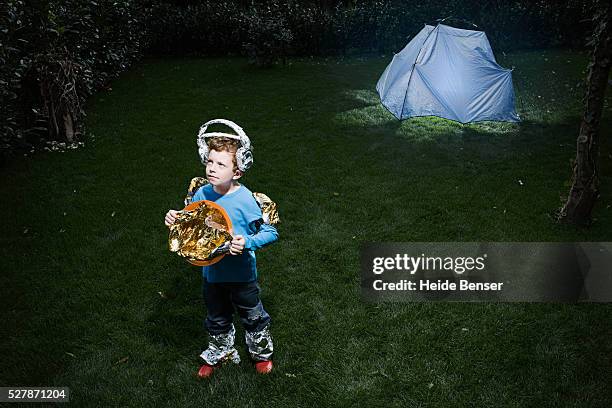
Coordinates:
[55,53]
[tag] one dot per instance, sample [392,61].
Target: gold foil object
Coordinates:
[268,208]
[194,185]
[197,233]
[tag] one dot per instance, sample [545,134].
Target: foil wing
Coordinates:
[194,185]
[268,208]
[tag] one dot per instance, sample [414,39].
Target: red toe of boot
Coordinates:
[205,371]
[263,367]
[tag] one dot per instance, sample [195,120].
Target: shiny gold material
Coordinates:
[194,185]
[197,233]
[201,229]
[268,208]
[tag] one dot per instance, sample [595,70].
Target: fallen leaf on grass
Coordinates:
[380,372]
[70,354]
[122,360]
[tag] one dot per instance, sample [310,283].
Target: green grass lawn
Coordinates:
[92,299]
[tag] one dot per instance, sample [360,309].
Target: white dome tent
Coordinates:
[451,73]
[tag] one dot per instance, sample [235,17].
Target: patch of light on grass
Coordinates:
[431,128]
[371,115]
[426,128]
[364,96]
[368,116]
[494,127]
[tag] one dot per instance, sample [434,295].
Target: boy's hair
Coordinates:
[224,144]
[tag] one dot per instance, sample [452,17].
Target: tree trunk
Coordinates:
[68,127]
[585,187]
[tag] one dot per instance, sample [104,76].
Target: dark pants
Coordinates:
[222,298]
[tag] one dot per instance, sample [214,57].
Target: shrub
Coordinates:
[56,53]
[268,36]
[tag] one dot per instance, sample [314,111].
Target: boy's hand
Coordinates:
[170,217]
[237,245]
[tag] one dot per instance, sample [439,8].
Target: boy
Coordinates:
[232,282]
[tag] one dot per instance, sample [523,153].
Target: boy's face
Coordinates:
[220,168]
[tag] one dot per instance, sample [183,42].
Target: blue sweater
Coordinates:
[246,218]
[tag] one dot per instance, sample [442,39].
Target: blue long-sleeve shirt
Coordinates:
[246,219]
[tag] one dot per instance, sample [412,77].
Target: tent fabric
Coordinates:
[451,73]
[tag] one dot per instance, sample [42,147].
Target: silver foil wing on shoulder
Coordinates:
[268,208]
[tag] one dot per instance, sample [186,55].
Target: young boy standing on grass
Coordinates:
[232,282]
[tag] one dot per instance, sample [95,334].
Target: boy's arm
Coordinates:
[265,235]
[263,213]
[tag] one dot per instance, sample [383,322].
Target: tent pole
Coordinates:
[412,70]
